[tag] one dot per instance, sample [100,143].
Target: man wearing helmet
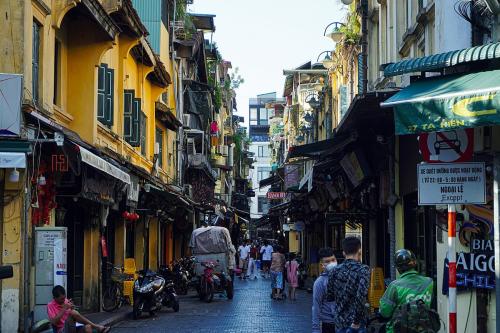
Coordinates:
[409,286]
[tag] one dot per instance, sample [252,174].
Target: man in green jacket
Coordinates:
[410,286]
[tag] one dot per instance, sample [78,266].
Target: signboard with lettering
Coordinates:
[477,268]
[276,195]
[451,183]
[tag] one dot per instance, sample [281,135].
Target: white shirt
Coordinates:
[244,251]
[267,252]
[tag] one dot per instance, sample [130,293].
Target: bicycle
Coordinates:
[112,297]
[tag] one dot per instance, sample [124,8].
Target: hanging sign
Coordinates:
[451,183]
[275,195]
[446,147]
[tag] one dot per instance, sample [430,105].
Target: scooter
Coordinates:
[211,283]
[148,293]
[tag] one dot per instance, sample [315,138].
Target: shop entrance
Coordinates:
[74,220]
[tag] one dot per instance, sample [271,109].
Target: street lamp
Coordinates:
[327,61]
[335,35]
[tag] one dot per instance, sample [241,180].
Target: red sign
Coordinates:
[275,195]
[104,247]
[60,163]
[447,147]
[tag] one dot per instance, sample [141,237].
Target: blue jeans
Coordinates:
[352,330]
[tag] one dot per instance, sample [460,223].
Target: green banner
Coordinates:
[447,113]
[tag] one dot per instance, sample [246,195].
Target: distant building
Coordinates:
[261,109]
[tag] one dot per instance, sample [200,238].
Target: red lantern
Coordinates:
[126,215]
[136,216]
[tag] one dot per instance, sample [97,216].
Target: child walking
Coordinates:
[291,276]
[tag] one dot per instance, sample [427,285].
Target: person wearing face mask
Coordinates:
[323,311]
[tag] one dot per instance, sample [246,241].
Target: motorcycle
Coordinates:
[212,282]
[151,291]
[181,277]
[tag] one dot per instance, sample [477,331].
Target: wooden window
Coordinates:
[35,62]
[159,141]
[143,132]
[131,115]
[105,94]
[57,72]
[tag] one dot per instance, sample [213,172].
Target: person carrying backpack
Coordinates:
[407,300]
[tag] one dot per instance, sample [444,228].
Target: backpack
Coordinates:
[415,317]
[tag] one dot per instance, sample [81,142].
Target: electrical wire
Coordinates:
[468,312]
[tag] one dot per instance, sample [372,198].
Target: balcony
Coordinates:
[200,161]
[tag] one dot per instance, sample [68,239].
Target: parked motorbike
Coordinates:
[151,291]
[211,283]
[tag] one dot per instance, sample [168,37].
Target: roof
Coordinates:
[440,61]
[203,21]
[316,149]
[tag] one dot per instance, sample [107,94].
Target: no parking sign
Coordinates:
[447,147]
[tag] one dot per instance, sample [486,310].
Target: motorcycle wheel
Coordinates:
[137,309]
[176,306]
[111,298]
[230,290]
[209,293]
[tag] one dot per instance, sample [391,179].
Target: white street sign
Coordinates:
[451,183]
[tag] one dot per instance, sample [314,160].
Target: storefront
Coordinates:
[452,118]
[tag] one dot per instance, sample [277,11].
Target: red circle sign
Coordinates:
[447,147]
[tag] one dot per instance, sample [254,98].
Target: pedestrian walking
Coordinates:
[244,252]
[252,263]
[323,311]
[292,278]
[266,250]
[348,289]
[277,268]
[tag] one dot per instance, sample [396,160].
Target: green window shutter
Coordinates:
[136,123]
[143,132]
[105,95]
[128,107]
[110,96]
[361,73]
[159,141]
[101,83]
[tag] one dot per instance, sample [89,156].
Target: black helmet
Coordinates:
[405,260]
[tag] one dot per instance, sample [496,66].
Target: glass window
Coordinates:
[263,116]
[263,151]
[263,173]
[253,116]
[262,204]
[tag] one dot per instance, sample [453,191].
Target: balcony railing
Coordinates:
[200,161]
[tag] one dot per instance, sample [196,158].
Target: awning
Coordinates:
[166,115]
[446,103]
[100,164]
[437,62]
[203,21]
[12,160]
[269,181]
[322,147]
[279,207]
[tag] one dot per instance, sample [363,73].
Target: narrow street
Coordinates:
[251,310]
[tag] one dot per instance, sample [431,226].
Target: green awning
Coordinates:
[437,62]
[446,103]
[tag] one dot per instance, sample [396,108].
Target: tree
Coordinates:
[236,79]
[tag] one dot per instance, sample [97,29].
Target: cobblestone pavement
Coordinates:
[251,310]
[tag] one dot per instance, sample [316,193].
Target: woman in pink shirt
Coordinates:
[291,276]
[61,314]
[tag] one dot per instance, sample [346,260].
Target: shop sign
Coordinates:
[299,226]
[276,195]
[291,175]
[447,147]
[133,191]
[476,270]
[354,167]
[59,163]
[451,183]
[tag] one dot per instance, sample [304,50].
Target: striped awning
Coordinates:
[437,62]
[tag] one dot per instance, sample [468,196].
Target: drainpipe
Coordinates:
[392,212]
[27,256]
[364,44]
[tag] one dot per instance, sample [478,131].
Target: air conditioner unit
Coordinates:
[220,149]
[186,121]
[188,190]
[225,150]
[157,148]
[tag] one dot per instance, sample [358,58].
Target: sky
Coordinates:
[263,37]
